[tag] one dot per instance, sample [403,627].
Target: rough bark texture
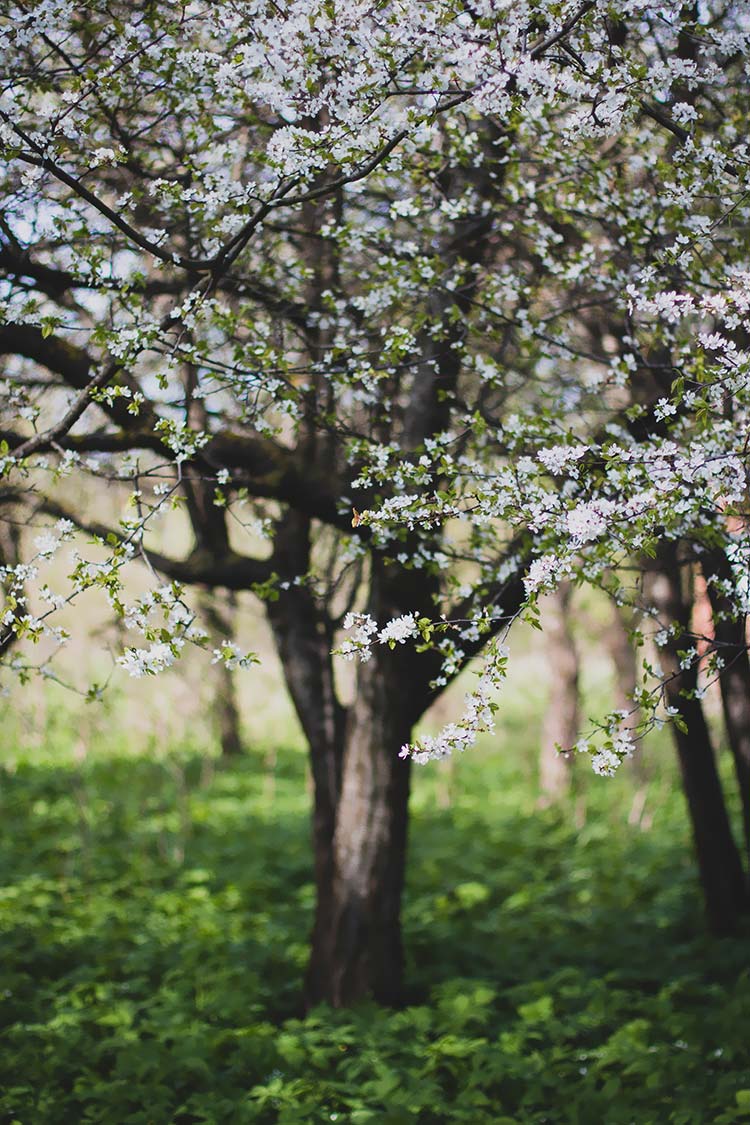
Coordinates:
[360,953]
[562,719]
[719,860]
[304,645]
[361,788]
[731,640]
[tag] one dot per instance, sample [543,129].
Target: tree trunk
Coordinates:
[625,660]
[10,554]
[627,668]
[734,680]
[361,794]
[361,784]
[719,860]
[224,707]
[304,644]
[227,714]
[359,954]
[562,720]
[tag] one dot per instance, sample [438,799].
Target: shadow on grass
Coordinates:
[154,920]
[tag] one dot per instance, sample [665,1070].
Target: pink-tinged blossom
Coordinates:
[544,572]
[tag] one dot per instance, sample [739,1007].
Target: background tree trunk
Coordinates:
[562,719]
[734,680]
[10,555]
[224,706]
[626,663]
[719,862]
[625,659]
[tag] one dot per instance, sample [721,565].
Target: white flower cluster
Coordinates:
[231,656]
[139,662]
[48,542]
[606,760]
[361,640]
[399,630]
[365,633]
[589,520]
[478,716]
[168,635]
[556,458]
[544,572]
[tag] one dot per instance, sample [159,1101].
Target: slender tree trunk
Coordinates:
[227,714]
[719,860]
[10,554]
[304,645]
[626,663]
[734,680]
[562,719]
[224,704]
[625,660]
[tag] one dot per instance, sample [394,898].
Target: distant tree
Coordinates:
[413,292]
[562,720]
[226,711]
[13,582]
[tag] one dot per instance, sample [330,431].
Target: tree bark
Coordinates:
[304,645]
[734,679]
[304,640]
[358,954]
[562,719]
[719,862]
[361,785]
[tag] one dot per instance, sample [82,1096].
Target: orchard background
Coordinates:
[350,344]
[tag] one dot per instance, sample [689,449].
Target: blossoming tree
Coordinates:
[442,302]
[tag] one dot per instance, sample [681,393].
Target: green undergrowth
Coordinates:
[154,913]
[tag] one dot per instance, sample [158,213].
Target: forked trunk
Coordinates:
[719,860]
[361,785]
[358,952]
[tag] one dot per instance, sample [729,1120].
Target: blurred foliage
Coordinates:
[154,912]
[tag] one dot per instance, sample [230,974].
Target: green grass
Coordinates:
[154,913]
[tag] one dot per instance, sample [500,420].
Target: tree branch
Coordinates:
[231,571]
[48,439]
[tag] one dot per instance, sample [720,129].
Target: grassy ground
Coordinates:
[154,912]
